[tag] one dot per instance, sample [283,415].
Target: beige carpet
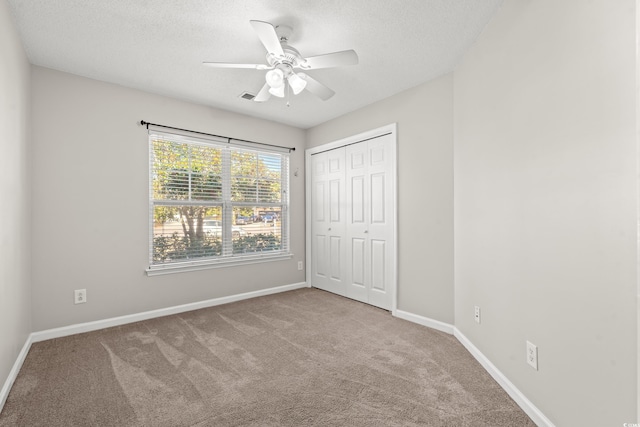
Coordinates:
[299,358]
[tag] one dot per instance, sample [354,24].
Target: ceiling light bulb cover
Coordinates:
[277,91]
[297,84]
[275,78]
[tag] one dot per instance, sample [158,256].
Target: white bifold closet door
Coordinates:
[328,221]
[352,221]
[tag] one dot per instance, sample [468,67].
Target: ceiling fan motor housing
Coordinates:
[291,58]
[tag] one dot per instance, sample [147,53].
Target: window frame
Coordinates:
[226,204]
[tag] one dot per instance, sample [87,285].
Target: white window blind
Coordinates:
[213,203]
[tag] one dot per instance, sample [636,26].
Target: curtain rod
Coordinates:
[143,123]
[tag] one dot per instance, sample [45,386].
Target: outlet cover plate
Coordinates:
[80,296]
[532,355]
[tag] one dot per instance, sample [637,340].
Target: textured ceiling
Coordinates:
[158,46]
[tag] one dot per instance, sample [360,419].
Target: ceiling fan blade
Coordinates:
[316,88]
[231,65]
[335,59]
[267,35]
[264,94]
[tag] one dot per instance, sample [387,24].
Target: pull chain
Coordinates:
[288,94]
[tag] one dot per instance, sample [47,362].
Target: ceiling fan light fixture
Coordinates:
[282,62]
[277,91]
[297,83]
[275,78]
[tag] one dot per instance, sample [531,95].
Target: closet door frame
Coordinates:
[384,130]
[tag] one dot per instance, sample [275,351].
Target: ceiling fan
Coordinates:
[284,61]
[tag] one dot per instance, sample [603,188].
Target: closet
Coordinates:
[352,218]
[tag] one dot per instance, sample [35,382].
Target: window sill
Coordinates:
[180,267]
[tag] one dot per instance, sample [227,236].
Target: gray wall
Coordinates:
[15,289]
[424,117]
[545,204]
[90,201]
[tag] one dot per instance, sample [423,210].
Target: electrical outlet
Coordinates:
[80,296]
[477,314]
[532,355]
[299,265]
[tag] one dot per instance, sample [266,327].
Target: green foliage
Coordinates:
[194,184]
[255,177]
[163,214]
[184,171]
[256,243]
[243,211]
[181,248]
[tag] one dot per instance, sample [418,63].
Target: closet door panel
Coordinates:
[320,252]
[358,218]
[337,255]
[357,199]
[336,224]
[358,256]
[378,263]
[319,249]
[381,223]
[378,198]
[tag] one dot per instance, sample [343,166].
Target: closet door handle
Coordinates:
[366,231]
[329,229]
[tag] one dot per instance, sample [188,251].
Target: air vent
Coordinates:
[248,96]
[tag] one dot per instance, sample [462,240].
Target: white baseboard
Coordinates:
[525,404]
[424,321]
[13,374]
[123,320]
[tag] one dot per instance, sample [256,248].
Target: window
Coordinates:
[213,203]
